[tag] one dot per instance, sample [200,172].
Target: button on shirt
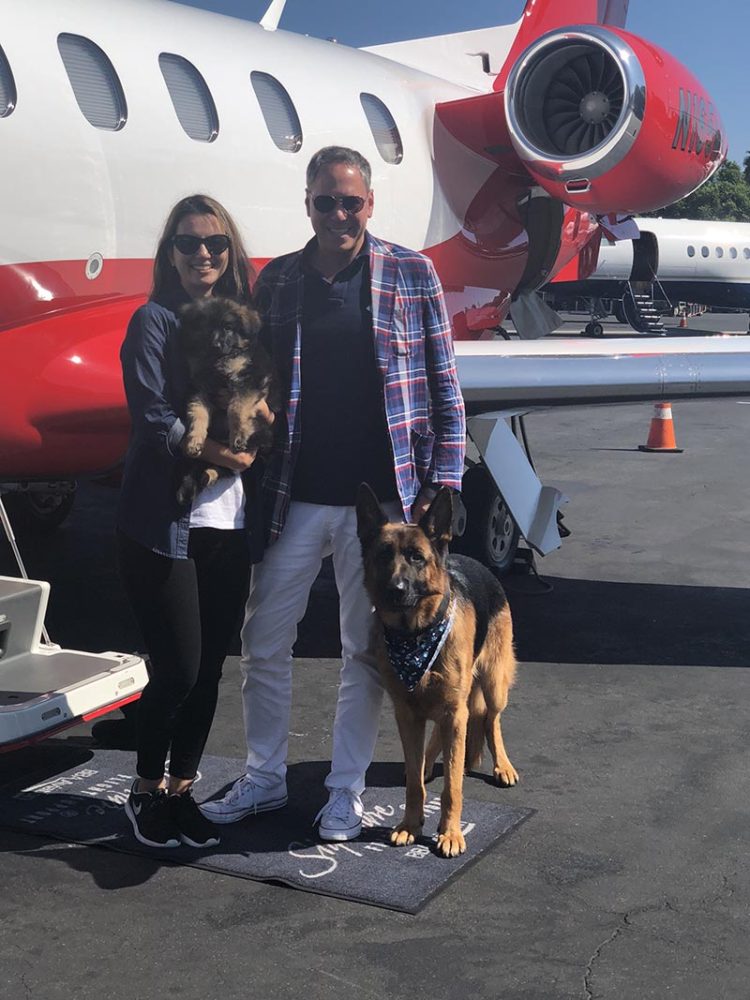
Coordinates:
[344,438]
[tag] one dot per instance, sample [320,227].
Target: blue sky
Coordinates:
[711,38]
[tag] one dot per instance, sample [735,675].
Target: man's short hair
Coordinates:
[329,155]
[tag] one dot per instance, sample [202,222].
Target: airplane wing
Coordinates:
[505,379]
[573,372]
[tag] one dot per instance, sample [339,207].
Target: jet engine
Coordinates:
[605,121]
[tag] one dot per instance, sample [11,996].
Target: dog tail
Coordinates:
[476,727]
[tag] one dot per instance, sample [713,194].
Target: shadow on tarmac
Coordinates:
[579,621]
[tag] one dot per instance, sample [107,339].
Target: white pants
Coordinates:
[277,602]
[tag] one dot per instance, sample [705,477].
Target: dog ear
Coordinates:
[370,516]
[437,521]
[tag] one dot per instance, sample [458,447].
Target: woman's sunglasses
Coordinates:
[351,203]
[188,244]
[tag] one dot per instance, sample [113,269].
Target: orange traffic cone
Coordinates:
[683,319]
[661,433]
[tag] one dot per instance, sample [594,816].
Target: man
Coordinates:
[361,339]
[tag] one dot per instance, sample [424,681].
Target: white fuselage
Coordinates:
[73,190]
[689,250]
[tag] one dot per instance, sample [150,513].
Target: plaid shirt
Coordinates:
[414,354]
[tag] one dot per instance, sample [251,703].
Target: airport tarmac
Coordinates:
[628,725]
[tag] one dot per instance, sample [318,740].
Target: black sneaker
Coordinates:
[151,818]
[192,826]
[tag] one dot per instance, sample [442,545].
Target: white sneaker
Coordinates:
[244,798]
[341,817]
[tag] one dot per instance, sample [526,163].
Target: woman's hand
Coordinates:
[219,454]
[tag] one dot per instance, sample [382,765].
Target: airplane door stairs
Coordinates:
[43,688]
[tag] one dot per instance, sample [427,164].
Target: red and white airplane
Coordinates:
[498,152]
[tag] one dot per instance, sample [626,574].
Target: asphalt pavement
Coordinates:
[628,725]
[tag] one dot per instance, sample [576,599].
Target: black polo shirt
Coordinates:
[344,439]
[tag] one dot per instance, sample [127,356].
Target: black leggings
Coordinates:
[187,610]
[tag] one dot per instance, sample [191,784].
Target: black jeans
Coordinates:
[188,610]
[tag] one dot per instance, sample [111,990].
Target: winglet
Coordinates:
[271,18]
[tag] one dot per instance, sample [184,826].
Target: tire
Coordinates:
[43,512]
[491,534]
[594,329]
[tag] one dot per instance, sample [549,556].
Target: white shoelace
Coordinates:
[341,805]
[238,789]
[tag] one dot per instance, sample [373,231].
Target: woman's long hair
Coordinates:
[234,282]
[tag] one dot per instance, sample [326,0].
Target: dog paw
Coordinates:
[402,836]
[193,447]
[506,775]
[450,845]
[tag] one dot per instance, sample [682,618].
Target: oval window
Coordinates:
[191,98]
[7,87]
[95,83]
[691,251]
[278,112]
[383,127]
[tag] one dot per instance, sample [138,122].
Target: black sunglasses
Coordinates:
[188,244]
[351,203]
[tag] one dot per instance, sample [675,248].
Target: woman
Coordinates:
[185,569]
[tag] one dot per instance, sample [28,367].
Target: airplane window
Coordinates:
[746,253]
[95,83]
[719,251]
[278,112]
[691,251]
[733,253]
[7,87]
[383,127]
[704,251]
[191,98]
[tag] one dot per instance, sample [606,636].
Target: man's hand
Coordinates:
[422,504]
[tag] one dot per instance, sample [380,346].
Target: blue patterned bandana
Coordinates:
[413,653]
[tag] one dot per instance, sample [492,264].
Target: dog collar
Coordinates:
[412,654]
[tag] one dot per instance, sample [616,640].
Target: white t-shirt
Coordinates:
[221,505]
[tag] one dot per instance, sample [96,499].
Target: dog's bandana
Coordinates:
[412,654]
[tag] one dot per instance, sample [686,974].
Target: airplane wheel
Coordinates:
[491,534]
[38,511]
[594,329]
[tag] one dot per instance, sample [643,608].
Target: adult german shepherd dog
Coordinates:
[444,646]
[230,375]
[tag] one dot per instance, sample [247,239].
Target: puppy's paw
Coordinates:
[193,446]
[451,843]
[209,476]
[403,835]
[506,775]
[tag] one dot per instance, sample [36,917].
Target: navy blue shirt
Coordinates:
[344,439]
[156,383]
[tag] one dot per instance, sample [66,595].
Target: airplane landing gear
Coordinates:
[491,534]
[39,510]
[594,329]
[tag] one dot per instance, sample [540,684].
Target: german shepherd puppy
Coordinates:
[444,646]
[230,375]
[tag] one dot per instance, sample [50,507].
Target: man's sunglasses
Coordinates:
[188,244]
[351,203]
